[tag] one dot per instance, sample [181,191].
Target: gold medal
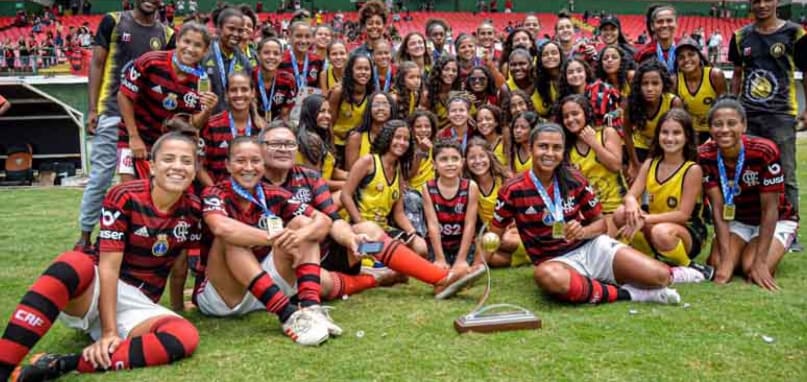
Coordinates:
[728,211]
[203,85]
[557,230]
[490,242]
[161,246]
[274,225]
[267,115]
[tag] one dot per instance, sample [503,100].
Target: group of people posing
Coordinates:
[285,175]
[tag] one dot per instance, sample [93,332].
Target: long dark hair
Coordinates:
[490,90]
[423,113]
[682,117]
[508,47]
[349,83]
[367,117]
[383,141]
[399,86]
[636,104]
[565,88]
[496,170]
[543,80]
[624,65]
[508,117]
[403,53]
[571,138]
[308,125]
[564,171]
[435,77]
[532,119]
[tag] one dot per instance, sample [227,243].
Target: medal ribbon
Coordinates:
[454,135]
[387,80]
[234,130]
[260,201]
[198,71]
[730,192]
[220,63]
[299,78]
[556,207]
[670,61]
[267,101]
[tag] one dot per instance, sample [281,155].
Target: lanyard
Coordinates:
[299,78]
[260,201]
[454,135]
[730,191]
[220,63]
[234,130]
[670,61]
[387,80]
[267,101]
[556,207]
[197,71]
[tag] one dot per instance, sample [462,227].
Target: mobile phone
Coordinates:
[371,247]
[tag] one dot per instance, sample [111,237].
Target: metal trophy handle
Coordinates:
[481,319]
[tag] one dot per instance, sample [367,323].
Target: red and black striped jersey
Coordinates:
[220,199]
[450,213]
[519,200]
[308,187]
[762,172]
[285,92]
[215,139]
[603,99]
[315,65]
[152,84]
[151,240]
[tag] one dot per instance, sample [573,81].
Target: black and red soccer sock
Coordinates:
[400,258]
[587,290]
[66,278]
[348,284]
[267,292]
[308,284]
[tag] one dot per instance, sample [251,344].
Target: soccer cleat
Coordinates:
[795,246]
[384,276]
[305,329]
[42,367]
[320,312]
[708,271]
[454,282]
[659,295]
[690,274]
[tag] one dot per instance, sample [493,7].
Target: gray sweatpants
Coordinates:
[103,161]
[781,129]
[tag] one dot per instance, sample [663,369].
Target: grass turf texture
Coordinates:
[409,336]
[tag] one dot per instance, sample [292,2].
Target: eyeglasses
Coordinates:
[477,79]
[280,145]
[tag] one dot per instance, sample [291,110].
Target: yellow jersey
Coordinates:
[425,173]
[366,146]
[642,138]
[331,80]
[487,202]
[607,184]
[519,166]
[376,194]
[498,152]
[541,107]
[698,103]
[328,164]
[348,118]
[665,196]
[441,112]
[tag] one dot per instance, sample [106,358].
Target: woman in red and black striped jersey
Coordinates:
[238,119]
[275,89]
[147,226]
[450,204]
[559,220]
[261,256]
[155,87]
[744,181]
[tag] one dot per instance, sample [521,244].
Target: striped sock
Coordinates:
[587,290]
[267,292]
[308,284]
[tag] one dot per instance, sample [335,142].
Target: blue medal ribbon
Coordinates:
[464,142]
[387,80]
[670,61]
[197,71]
[267,101]
[555,208]
[260,201]
[234,130]
[299,79]
[220,64]
[730,192]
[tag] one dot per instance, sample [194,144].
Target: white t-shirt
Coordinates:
[715,41]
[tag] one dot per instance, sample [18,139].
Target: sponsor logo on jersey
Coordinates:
[109,217]
[142,232]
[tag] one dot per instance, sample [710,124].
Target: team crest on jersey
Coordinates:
[778,50]
[672,202]
[181,231]
[155,43]
[170,101]
[761,86]
[126,37]
[161,246]
[190,99]
[395,195]
[459,208]
[547,219]
[303,195]
[708,101]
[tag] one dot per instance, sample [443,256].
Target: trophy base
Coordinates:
[497,322]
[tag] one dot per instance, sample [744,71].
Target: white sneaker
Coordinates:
[659,295]
[681,275]
[320,313]
[384,276]
[305,328]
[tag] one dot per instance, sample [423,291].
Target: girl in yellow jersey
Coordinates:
[520,153]
[518,103]
[547,77]
[698,84]
[483,168]
[381,109]
[673,224]
[597,153]
[613,68]
[407,88]
[650,98]
[349,100]
[314,138]
[423,126]
[489,127]
[521,78]
[337,59]
[374,185]
[443,79]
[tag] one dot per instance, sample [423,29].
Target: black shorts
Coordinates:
[334,258]
[698,235]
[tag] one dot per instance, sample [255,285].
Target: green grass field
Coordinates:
[409,336]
